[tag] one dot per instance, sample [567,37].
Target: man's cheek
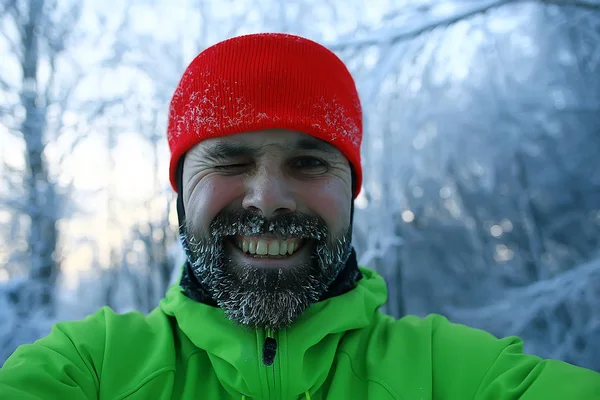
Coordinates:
[333,211]
[211,197]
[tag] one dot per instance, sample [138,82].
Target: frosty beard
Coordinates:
[258,297]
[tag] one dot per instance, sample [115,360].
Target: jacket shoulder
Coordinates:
[432,357]
[396,354]
[438,357]
[105,352]
[138,348]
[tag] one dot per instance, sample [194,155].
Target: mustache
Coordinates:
[288,225]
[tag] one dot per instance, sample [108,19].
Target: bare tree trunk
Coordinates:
[162,243]
[41,193]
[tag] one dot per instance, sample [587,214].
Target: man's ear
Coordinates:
[353,175]
[352,200]
[180,207]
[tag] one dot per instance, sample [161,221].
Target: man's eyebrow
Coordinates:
[315,144]
[225,150]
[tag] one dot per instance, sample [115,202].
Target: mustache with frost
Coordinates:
[265,297]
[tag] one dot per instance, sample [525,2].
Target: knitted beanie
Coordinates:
[265,81]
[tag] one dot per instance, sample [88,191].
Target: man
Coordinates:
[265,132]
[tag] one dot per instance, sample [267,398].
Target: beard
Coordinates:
[270,298]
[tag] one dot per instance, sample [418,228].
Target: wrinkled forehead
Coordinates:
[263,142]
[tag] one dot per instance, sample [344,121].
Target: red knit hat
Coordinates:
[265,81]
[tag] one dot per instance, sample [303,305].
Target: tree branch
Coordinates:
[14,47]
[532,299]
[10,7]
[589,5]
[51,78]
[4,85]
[78,139]
[404,33]
[8,110]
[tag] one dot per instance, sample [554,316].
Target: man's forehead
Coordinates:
[275,138]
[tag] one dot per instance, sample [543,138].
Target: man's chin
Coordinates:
[275,310]
[256,296]
[266,307]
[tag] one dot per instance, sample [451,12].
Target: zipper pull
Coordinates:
[269,349]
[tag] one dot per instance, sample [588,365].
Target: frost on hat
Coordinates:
[265,81]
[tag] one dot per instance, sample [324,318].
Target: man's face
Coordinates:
[267,222]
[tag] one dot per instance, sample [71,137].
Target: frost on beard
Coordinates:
[256,297]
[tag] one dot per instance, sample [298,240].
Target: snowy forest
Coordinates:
[481,195]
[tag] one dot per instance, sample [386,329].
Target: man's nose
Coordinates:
[269,193]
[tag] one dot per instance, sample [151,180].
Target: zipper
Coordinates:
[269,356]
[269,350]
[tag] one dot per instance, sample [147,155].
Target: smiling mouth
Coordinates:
[267,247]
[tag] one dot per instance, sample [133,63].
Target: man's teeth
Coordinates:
[263,247]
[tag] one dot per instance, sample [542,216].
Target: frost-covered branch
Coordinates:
[14,203]
[384,245]
[12,44]
[520,306]
[387,35]
[470,9]
[4,85]
[590,5]
[390,61]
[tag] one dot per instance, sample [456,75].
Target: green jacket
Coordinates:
[341,348]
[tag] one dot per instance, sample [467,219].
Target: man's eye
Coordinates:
[310,164]
[231,167]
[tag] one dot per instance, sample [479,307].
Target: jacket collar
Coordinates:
[306,349]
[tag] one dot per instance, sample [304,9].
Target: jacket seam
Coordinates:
[154,375]
[476,395]
[379,382]
[92,371]
[144,382]
[192,354]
